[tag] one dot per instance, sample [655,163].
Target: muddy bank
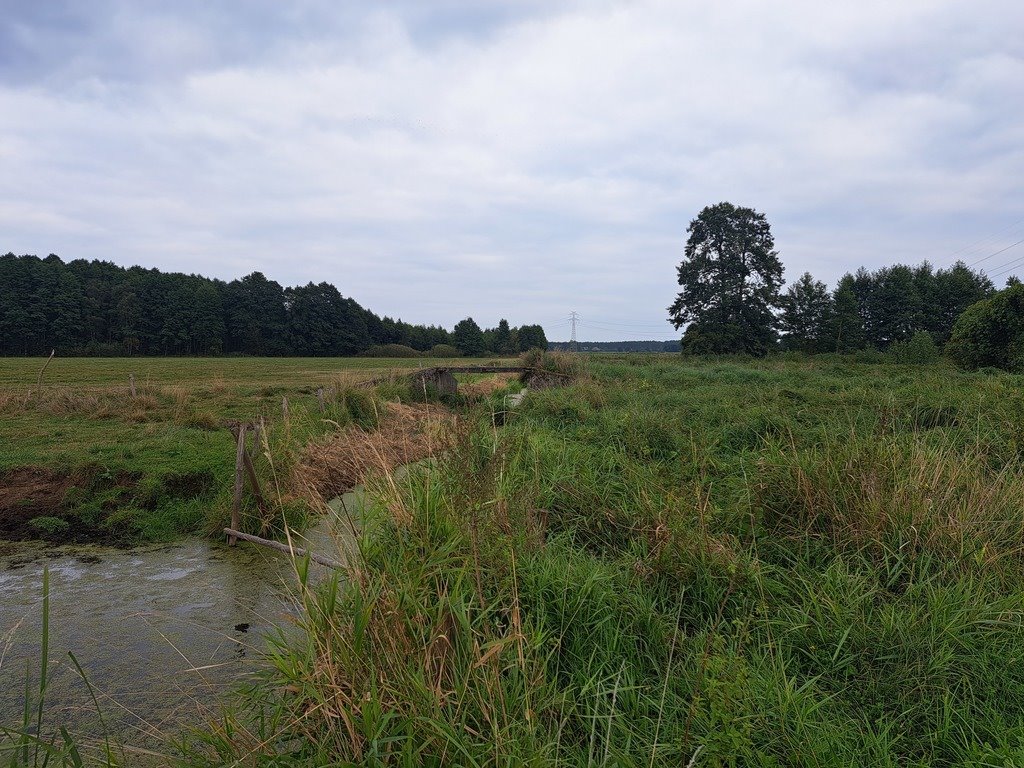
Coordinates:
[74,507]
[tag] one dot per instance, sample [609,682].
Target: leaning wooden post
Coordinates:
[236,502]
[320,398]
[287,420]
[254,483]
[131,383]
[39,381]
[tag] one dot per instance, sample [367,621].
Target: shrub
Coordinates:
[361,405]
[390,350]
[563,363]
[54,526]
[920,349]
[991,333]
[444,350]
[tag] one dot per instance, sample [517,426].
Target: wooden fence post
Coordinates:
[320,398]
[131,383]
[250,472]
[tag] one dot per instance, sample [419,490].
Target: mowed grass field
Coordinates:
[81,449]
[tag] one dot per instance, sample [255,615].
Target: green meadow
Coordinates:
[732,562]
[87,460]
[719,563]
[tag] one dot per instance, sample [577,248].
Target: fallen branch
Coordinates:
[293,551]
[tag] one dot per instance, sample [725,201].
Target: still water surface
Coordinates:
[163,632]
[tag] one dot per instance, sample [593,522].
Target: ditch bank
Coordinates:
[81,505]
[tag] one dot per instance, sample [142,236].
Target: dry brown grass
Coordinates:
[337,463]
[488,386]
[67,401]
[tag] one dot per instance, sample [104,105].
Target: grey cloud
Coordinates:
[502,158]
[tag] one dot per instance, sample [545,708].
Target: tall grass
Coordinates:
[717,563]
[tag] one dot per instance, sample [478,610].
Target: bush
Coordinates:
[991,333]
[920,349]
[362,407]
[390,350]
[444,350]
[562,363]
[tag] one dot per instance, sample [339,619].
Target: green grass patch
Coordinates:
[112,466]
[678,562]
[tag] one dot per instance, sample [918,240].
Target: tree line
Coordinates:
[96,307]
[617,346]
[732,299]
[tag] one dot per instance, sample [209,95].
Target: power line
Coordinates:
[996,253]
[633,325]
[1013,267]
[967,249]
[1002,250]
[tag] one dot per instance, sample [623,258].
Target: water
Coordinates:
[162,632]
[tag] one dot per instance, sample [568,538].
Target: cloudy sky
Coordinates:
[437,159]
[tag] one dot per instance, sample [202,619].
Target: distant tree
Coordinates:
[896,307]
[806,315]
[531,337]
[468,337]
[1012,280]
[256,319]
[731,275]
[489,340]
[97,307]
[846,323]
[504,344]
[180,305]
[66,328]
[208,322]
[955,289]
[322,322]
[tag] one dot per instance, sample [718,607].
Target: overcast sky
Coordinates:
[508,159]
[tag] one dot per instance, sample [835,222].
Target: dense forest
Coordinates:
[99,308]
[878,309]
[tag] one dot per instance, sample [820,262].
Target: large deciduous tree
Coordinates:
[730,278]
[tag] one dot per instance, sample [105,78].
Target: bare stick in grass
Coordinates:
[39,381]
[236,502]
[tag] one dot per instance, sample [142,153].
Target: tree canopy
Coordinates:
[98,308]
[880,309]
[730,278]
[807,316]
